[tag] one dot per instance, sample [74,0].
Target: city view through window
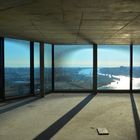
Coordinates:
[73,67]
[36,68]
[48,67]
[113,67]
[17,67]
[136,67]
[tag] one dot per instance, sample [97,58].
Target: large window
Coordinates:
[113,67]
[73,67]
[136,67]
[48,67]
[17,67]
[37,67]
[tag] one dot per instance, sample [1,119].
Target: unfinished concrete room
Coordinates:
[69,69]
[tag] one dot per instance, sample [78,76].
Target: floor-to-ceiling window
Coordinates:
[113,67]
[17,67]
[48,67]
[73,67]
[136,67]
[36,67]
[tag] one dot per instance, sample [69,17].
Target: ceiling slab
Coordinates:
[71,21]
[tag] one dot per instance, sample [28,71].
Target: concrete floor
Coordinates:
[137,101]
[26,122]
[112,111]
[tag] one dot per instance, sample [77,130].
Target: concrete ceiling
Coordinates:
[72,21]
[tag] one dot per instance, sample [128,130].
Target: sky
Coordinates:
[36,55]
[108,55]
[112,56]
[73,56]
[17,54]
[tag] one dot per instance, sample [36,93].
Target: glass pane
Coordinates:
[17,67]
[73,67]
[37,67]
[113,67]
[136,67]
[48,67]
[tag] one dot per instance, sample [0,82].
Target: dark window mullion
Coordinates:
[131,67]
[53,80]
[95,68]
[42,90]
[2,77]
[32,68]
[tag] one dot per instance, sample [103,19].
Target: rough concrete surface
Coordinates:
[137,101]
[112,111]
[28,121]
[72,21]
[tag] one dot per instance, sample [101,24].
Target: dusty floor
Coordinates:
[112,111]
[137,101]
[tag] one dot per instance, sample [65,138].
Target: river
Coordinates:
[122,83]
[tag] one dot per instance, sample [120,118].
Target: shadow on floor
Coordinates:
[60,123]
[15,104]
[135,115]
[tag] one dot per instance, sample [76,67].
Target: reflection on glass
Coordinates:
[136,67]
[36,68]
[73,67]
[17,67]
[48,67]
[113,67]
